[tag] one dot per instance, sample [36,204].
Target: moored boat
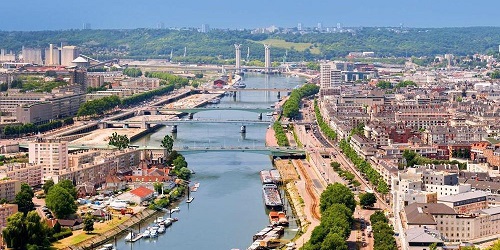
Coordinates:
[272,197]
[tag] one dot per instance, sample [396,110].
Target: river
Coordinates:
[228,208]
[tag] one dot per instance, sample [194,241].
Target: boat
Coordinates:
[282,220]
[214,101]
[159,220]
[195,187]
[132,237]
[190,199]
[272,197]
[108,247]
[146,233]
[161,229]
[239,85]
[273,218]
[175,209]
[118,205]
[269,114]
[153,233]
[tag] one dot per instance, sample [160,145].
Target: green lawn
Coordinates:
[289,45]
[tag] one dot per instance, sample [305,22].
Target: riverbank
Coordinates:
[99,239]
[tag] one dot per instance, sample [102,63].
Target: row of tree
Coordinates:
[280,134]
[98,106]
[365,167]
[337,206]
[323,126]
[383,233]
[32,128]
[177,81]
[132,72]
[292,105]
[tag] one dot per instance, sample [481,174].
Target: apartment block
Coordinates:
[52,156]
[25,173]
[6,210]
[9,188]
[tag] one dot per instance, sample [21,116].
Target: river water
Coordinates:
[228,208]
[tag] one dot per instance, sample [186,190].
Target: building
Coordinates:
[32,56]
[421,238]
[52,56]
[36,113]
[68,54]
[205,28]
[9,188]
[329,77]
[6,210]
[52,156]
[137,195]
[25,173]
[4,57]
[466,202]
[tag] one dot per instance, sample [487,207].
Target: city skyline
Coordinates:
[59,15]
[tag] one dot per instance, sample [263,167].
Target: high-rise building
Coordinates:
[68,54]
[205,28]
[31,55]
[160,25]
[52,55]
[329,77]
[53,156]
[339,26]
[299,26]
[267,57]
[320,26]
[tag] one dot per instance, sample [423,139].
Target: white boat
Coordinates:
[129,236]
[159,220]
[146,233]
[153,233]
[161,229]
[190,199]
[175,209]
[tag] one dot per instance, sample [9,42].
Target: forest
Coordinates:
[216,46]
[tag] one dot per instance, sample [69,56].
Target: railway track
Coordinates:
[314,208]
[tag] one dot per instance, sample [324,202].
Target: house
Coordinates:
[137,195]
[85,189]
[114,183]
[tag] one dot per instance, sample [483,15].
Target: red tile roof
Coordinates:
[142,192]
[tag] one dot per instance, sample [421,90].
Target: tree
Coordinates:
[47,185]
[367,199]
[68,185]
[158,186]
[24,202]
[334,241]
[184,173]
[433,246]
[378,216]
[14,233]
[22,232]
[180,162]
[167,143]
[119,141]
[24,199]
[384,85]
[61,202]
[337,194]
[88,224]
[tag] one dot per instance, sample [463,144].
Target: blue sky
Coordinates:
[125,14]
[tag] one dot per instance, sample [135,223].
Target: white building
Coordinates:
[52,156]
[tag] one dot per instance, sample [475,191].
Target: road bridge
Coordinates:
[248,89]
[196,110]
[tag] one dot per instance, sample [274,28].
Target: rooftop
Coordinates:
[463,196]
[422,213]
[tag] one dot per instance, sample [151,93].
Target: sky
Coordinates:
[28,15]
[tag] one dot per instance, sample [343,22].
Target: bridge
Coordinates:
[248,89]
[145,124]
[195,110]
